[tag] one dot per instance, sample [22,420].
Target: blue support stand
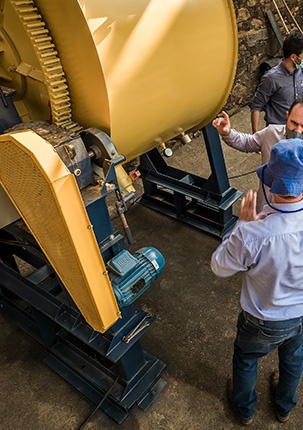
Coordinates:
[203,203]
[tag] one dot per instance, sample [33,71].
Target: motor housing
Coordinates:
[131,275]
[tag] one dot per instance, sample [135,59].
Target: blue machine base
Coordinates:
[109,369]
[142,391]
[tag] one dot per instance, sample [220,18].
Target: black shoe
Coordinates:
[274,380]
[229,391]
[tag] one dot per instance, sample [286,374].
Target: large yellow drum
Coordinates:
[144,71]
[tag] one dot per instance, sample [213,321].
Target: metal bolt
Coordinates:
[77,172]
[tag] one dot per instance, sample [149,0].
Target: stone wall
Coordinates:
[258,43]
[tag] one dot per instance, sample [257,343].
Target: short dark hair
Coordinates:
[293,44]
[295,103]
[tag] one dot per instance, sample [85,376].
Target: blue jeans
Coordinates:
[255,339]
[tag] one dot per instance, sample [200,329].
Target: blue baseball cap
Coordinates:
[283,173]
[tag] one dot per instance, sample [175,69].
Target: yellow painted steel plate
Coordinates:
[141,70]
[47,197]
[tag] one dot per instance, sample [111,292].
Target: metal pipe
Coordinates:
[275,28]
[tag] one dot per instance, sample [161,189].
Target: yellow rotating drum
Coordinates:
[142,70]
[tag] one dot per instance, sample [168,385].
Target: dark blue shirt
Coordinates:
[277,90]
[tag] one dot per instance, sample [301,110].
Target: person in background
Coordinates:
[263,140]
[268,251]
[280,85]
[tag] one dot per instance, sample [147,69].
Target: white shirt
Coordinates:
[262,141]
[269,252]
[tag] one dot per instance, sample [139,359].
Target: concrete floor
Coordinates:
[196,317]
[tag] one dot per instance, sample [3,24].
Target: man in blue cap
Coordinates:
[268,249]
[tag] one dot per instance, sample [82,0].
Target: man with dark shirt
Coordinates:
[280,86]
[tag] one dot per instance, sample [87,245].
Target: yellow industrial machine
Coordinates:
[87,85]
[142,71]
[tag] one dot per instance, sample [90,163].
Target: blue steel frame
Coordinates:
[203,203]
[92,362]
